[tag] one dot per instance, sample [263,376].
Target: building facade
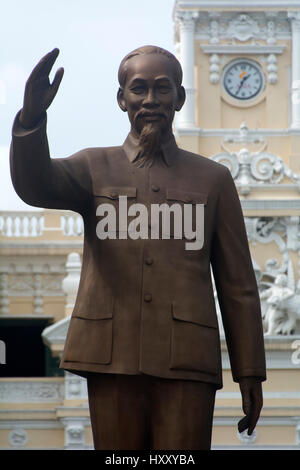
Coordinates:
[241,70]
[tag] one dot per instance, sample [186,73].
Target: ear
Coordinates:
[180,98]
[121,99]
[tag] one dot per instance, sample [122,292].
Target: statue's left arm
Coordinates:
[239,300]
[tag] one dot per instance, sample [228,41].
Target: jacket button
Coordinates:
[149,261]
[147,297]
[155,188]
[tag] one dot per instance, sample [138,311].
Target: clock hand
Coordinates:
[242,82]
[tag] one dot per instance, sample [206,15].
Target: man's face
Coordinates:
[150,94]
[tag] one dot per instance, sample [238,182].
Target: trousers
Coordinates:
[142,412]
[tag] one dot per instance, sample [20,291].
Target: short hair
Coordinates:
[122,73]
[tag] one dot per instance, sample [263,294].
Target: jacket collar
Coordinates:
[169,149]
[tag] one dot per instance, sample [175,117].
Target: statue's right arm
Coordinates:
[60,183]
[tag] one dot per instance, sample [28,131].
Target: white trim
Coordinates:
[263,421]
[43,244]
[271,204]
[267,395]
[223,132]
[255,447]
[30,424]
[249,4]
[278,186]
[241,49]
[282,132]
[187,131]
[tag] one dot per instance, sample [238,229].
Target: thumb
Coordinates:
[56,82]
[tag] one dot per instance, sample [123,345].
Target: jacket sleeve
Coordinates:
[236,286]
[59,183]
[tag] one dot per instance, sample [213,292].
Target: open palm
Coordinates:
[39,92]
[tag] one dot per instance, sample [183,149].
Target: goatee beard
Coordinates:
[149,144]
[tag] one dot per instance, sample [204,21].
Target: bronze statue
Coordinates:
[144,329]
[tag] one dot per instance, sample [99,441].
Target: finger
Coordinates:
[255,411]
[45,64]
[252,424]
[246,401]
[56,81]
[243,424]
[253,418]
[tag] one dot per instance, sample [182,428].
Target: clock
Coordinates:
[243,79]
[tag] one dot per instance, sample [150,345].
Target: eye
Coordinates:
[164,88]
[137,89]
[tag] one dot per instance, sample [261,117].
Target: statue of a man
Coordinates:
[144,329]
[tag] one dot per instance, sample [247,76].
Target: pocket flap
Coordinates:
[113,192]
[196,313]
[186,196]
[99,312]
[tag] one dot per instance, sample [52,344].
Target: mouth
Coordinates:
[151,116]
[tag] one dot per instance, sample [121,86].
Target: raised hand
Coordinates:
[252,398]
[39,92]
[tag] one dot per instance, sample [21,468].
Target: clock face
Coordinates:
[243,79]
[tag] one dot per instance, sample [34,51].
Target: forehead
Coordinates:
[150,67]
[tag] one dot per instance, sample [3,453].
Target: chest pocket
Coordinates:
[186,210]
[111,208]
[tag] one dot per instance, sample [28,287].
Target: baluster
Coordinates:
[70,225]
[16,225]
[38,225]
[4,225]
[4,299]
[31,224]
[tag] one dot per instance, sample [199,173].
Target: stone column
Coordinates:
[186,118]
[295,92]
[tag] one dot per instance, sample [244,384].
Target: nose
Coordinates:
[150,100]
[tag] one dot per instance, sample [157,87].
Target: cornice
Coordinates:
[234,5]
[241,49]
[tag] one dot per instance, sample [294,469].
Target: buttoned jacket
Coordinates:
[147,305]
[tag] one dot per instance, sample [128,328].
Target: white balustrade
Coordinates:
[21,224]
[71,224]
[31,224]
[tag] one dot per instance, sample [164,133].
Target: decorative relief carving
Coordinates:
[271,31]
[74,432]
[76,387]
[35,284]
[243,28]
[214,68]
[254,168]
[272,69]
[265,26]
[18,437]
[28,392]
[214,32]
[186,19]
[279,291]
[37,297]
